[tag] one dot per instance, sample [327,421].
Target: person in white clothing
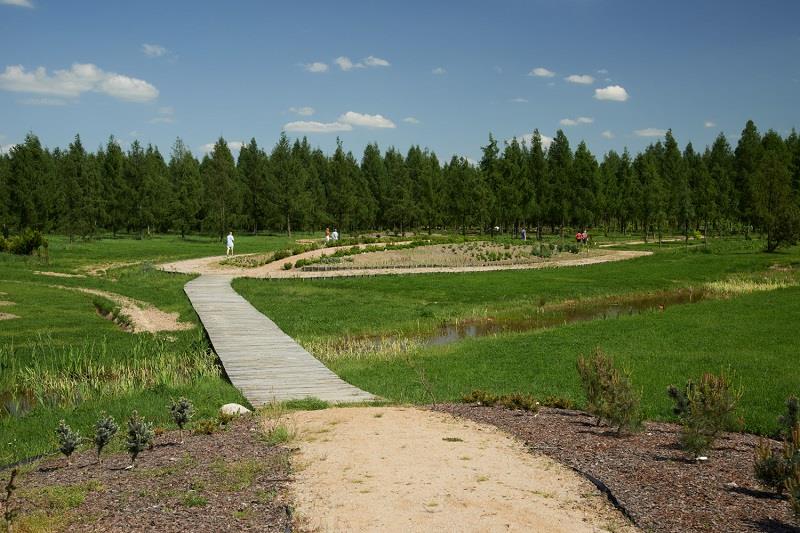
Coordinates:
[335,234]
[229,249]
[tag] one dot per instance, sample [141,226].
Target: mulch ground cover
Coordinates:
[229,481]
[649,475]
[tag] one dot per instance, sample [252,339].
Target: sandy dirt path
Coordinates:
[143,316]
[406,469]
[210,265]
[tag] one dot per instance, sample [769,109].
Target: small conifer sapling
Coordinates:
[140,435]
[104,430]
[181,411]
[68,440]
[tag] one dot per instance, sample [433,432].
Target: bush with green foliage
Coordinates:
[68,440]
[706,409]
[287,266]
[206,426]
[104,430]
[140,436]
[609,393]
[26,243]
[542,250]
[181,411]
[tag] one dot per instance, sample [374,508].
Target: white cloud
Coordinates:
[710,124]
[302,126]
[541,72]
[373,61]
[439,71]
[345,63]
[528,139]
[602,71]
[80,78]
[583,79]
[614,93]
[368,121]
[233,146]
[576,121]
[154,50]
[6,148]
[305,111]
[316,67]
[18,3]
[607,134]
[650,132]
[166,115]
[43,101]
[411,120]
[519,100]
[472,162]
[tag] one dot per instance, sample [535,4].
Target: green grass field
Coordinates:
[751,335]
[81,363]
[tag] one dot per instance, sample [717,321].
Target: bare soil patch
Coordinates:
[647,472]
[58,274]
[101,269]
[406,469]
[8,316]
[143,316]
[228,481]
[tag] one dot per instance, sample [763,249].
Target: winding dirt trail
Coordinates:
[405,469]
[274,270]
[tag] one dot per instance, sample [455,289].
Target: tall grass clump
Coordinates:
[64,376]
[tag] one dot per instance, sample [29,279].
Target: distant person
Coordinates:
[335,234]
[524,234]
[229,248]
[585,236]
[327,234]
[579,237]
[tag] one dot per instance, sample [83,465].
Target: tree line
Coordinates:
[719,190]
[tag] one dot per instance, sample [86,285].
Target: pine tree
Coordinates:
[537,174]
[747,160]
[181,411]
[720,164]
[104,430]
[68,440]
[774,207]
[184,172]
[559,163]
[252,167]
[222,192]
[585,171]
[676,183]
[140,435]
[401,198]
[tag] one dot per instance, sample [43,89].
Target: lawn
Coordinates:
[750,335]
[79,362]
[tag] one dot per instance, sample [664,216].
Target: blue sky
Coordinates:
[439,74]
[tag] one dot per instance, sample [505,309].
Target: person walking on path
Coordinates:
[327,234]
[229,248]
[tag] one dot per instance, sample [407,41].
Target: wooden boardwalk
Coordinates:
[261,360]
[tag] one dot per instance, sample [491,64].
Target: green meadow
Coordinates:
[750,335]
[60,359]
[65,361]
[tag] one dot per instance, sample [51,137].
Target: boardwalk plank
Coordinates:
[261,360]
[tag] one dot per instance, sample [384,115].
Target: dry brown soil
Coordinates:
[406,469]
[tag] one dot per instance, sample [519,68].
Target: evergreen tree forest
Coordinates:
[750,187]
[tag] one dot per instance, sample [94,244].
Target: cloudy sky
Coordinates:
[440,74]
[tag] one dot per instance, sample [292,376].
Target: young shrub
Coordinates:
[287,266]
[791,419]
[140,436]
[793,487]
[609,393]
[519,401]
[706,409]
[206,426]
[104,430]
[181,412]
[775,470]
[68,440]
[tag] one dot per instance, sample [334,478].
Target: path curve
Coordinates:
[274,270]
